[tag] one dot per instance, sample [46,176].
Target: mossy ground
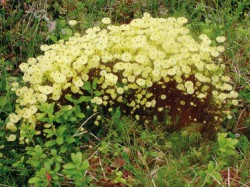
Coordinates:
[124,152]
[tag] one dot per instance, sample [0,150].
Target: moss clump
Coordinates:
[144,67]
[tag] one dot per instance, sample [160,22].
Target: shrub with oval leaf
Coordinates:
[145,67]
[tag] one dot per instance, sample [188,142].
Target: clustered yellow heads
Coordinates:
[147,65]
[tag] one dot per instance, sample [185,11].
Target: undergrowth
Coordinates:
[121,151]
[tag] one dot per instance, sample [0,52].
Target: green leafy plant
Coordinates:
[119,178]
[226,152]
[212,173]
[62,137]
[227,146]
[48,174]
[76,169]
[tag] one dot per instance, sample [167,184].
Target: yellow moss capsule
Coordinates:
[182,102]
[160,109]
[163,97]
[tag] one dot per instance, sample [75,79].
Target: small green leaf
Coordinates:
[72,119]
[71,172]
[38,149]
[49,132]
[48,108]
[40,115]
[47,166]
[54,152]
[232,142]
[84,99]
[46,120]
[77,158]
[57,167]
[217,176]
[223,150]
[119,174]
[58,159]
[94,84]
[211,166]
[103,146]
[69,98]
[66,33]
[34,180]
[61,130]
[85,165]
[87,87]
[69,139]
[53,38]
[50,143]
[63,149]
[59,140]
[80,115]
[97,93]
[69,166]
